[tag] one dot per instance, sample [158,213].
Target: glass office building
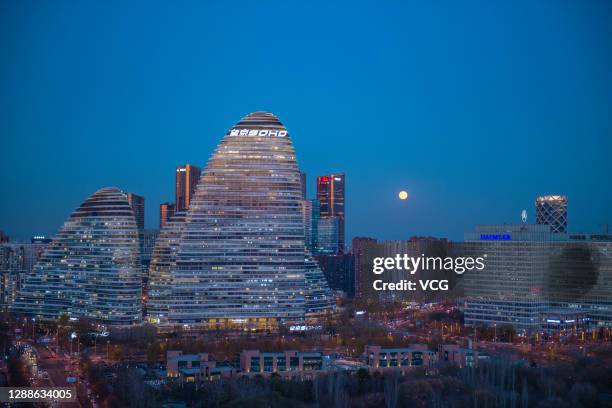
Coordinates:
[533,275]
[163,261]
[91,268]
[241,257]
[552,211]
[332,201]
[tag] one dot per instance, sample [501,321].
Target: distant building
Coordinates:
[137,203]
[40,239]
[159,288]
[538,279]
[166,211]
[307,219]
[359,243]
[147,243]
[17,260]
[303,181]
[195,367]
[366,250]
[148,238]
[331,196]
[403,357]
[315,215]
[457,355]
[187,178]
[284,363]
[552,211]
[91,268]
[339,270]
[328,236]
[3,237]
[243,233]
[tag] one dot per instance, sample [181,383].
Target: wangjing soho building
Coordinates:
[163,262]
[241,257]
[91,268]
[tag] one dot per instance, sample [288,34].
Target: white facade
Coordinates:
[241,255]
[92,266]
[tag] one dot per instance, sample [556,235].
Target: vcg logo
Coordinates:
[258,132]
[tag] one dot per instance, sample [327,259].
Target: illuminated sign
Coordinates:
[495,237]
[258,132]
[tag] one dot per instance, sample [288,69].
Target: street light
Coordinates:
[73,336]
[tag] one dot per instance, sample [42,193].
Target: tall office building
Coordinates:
[330,193]
[17,260]
[327,236]
[310,215]
[163,262]
[303,181]
[147,238]
[552,211]
[137,203]
[537,279]
[307,220]
[187,178]
[366,250]
[314,226]
[166,211]
[339,270]
[91,268]
[241,257]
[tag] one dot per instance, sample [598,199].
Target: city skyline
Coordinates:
[421,99]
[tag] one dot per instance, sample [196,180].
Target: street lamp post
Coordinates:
[73,336]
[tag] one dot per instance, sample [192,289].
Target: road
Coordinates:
[56,366]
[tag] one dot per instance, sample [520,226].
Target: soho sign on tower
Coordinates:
[258,132]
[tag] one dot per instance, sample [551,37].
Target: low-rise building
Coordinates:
[457,355]
[284,363]
[195,367]
[416,355]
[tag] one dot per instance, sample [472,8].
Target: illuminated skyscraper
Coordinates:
[163,261]
[307,219]
[187,178]
[166,211]
[537,279]
[330,193]
[327,236]
[138,206]
[303,181]
[241,257]
[91,268]
[552,211]
[17,260]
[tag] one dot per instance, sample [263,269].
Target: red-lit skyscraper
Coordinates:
[187,178]
[330,193]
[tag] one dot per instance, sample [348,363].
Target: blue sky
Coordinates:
[474,108]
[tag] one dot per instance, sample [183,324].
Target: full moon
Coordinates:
[403,195]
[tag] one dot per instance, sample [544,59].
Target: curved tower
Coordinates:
[91,268]
[241,257]
[163,262]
